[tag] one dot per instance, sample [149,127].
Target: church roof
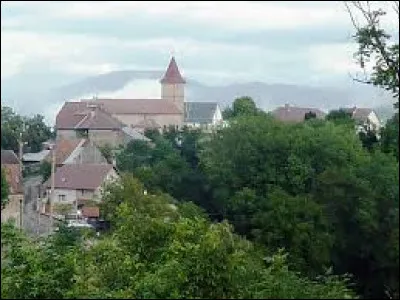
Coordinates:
[200,112]
[75,114]
[172,75]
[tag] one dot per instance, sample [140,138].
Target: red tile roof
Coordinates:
[99,119]
[64,149]
[72,113]
[289,113]
[80,176]
[172,75]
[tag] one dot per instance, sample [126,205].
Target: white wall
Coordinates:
[217,116]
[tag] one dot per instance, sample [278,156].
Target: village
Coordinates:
[79,169]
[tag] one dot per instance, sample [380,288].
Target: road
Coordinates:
[33,223]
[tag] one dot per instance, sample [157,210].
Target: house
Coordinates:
[76,151]
[139,114]
[91,121]
[12,168]
[202,114]
[365,118]
[76,184]
[288,113]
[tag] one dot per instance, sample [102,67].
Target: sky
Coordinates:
[213,42]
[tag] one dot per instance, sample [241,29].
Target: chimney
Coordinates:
[287,106]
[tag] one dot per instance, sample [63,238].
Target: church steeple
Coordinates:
[173,85]
[172,75]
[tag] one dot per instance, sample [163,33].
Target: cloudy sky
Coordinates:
[214,42]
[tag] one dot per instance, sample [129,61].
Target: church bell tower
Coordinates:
[173,85]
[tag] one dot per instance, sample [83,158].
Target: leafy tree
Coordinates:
[45,170]
[288,185]
[107,152]
[310,115]
[390,136]
[11,126]
[242,106]
[339,116]
[33,129]
[4,189]
[377,46]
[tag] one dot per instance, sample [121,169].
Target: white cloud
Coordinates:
[236,15]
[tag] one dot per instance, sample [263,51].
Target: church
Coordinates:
[101,116]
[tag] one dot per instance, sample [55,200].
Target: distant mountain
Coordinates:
[267,96]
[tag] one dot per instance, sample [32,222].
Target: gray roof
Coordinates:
[134,134]
[8,157]
[35,157]
[359,114]
[200,112]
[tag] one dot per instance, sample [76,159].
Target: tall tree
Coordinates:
[378,47]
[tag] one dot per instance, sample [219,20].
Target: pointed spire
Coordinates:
[172,75]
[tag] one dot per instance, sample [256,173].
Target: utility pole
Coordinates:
[53,167]
[21,201]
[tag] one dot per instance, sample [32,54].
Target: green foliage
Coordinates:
[4,189]
[310,115]
[339,116]
[242,106]
[390,136]
[45,170]
[305,187]
[107,152]
[376,46]
[34,130]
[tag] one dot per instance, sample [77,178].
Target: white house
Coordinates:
[202,114]
[365,118]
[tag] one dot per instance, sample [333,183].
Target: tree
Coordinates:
[107,152]
[339,116]
[45,170]
[242,106]
[390,136]
[33,129]
[310,115]
[376,45]
[4,189]
[288,185]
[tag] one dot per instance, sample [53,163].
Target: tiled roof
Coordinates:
[200,112]
[139,106]
[78,113]
[64,149]
[289,113]
[9,157]
[98,119]
[80,176]
[172,75]
[359,114]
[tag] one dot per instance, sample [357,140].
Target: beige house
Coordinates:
[103,120]
[11,165]
[75,184]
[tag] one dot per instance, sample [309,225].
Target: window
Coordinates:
[61,197]
[82,192]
